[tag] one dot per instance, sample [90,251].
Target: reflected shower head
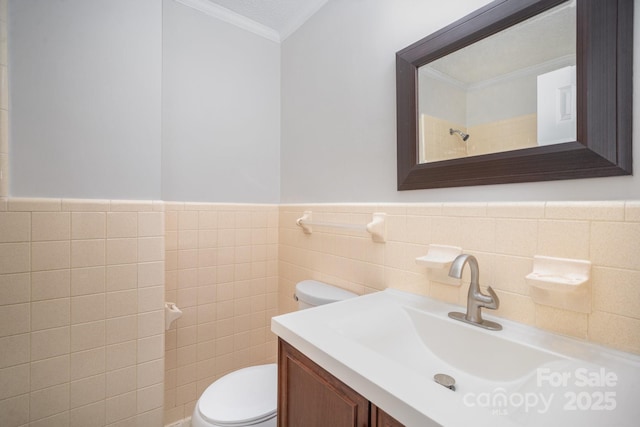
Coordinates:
[463,135]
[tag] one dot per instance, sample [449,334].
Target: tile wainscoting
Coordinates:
[81,313]
[222,271]
[503,236]
[82,286]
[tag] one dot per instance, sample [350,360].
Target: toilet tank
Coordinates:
[310,293]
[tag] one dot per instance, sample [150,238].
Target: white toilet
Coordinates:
[249,396]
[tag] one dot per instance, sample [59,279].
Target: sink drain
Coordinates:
[445,381]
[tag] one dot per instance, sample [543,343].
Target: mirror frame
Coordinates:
[604,58]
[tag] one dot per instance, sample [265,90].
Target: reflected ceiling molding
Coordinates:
[425,70]
[535,70]
[233,18]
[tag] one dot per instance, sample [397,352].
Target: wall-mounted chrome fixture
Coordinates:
[463,135]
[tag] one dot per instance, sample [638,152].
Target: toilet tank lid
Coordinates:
[318,293]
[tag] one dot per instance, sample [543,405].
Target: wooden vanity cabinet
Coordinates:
[309,396]
[379,418]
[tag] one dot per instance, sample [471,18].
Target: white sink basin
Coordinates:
[388,346]
[431,342]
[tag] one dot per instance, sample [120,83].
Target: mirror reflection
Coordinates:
[513,90]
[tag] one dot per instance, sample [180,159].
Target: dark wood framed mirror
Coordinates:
[604,72]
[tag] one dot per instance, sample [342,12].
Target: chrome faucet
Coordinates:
[475,298]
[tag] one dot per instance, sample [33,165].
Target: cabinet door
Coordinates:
[379,418]
[309,396]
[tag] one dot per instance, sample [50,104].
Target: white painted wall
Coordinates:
[144,99]
[85,88]
[502,101]
[85,83]
[221,111]
[441,99]
[338,109]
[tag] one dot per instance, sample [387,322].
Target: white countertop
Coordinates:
[357,341]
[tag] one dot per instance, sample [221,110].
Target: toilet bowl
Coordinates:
[249,396]
[246,397]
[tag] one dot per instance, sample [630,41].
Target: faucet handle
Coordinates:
[495,301]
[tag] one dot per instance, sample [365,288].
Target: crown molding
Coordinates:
[233,18]
[301,19]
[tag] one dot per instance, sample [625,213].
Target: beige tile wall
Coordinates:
[503,236]
[222,271]
[4,104]
[435,141]
[81,289]
[81,313]
[502,135]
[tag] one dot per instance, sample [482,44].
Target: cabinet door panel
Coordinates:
[308,396]
[379,418]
